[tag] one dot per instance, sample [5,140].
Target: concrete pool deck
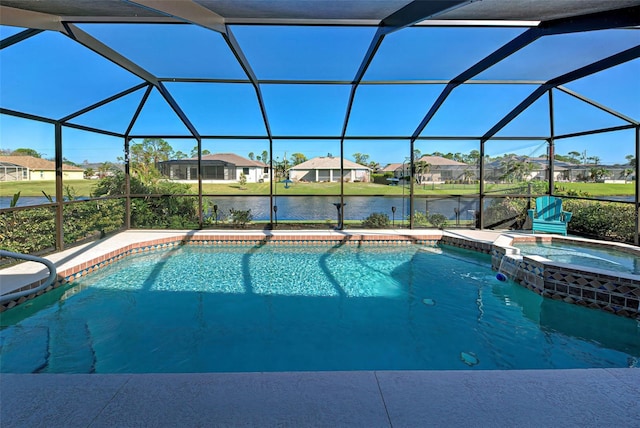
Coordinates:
[466,398]
[530,398]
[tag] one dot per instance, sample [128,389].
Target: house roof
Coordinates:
[431,160]
[326,162]
[233,159]
[392,167]
[36,163]
[440,161]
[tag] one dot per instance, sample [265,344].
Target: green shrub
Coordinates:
[381,178]
[438,220]
[92,218]
[154,212]
[32,230]
[420,219]
[28,231]
[605,220]
[506,212]
[376,221]
[240,217]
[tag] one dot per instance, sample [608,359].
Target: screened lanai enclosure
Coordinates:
[199,114]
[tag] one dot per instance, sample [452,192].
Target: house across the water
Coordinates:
[327,168]
[219,167]
[29,168]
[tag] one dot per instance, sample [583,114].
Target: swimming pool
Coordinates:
[584,255]
[242,308]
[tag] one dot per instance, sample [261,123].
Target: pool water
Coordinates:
[287,308]
[584,255]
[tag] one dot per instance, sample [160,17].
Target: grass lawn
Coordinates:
[85,188]
[599,189]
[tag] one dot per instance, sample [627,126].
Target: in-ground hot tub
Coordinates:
[581,271]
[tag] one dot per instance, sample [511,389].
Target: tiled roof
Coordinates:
[327,162]
[431,160]
[233,159]
[392,167]
[440,161]
[36,163]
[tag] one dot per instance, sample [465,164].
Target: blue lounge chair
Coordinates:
[548,215]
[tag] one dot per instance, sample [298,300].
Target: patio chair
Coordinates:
[548,215]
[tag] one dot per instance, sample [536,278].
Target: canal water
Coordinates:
[323,207]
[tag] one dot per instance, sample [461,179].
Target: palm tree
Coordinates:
[104,168]
[598,173]
[468,174]
[89,172]
[422,168]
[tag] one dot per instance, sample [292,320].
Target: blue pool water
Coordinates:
[585,255]
[286,308]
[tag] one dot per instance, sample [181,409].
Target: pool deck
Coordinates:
[465,398]
[535,398]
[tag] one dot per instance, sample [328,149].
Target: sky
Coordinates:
[49,75]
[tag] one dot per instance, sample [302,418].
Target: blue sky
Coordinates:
[50,75]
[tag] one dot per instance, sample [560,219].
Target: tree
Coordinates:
[583,157]
[145,157]
[626,173]
[89,172]
[598,173]
[179,155]
[243,180]
[631,160]
[422,168]
[515,168]
[104,169]
[194,152]
[563,158]
[26,152]
[458,157]
[265,156]
[472,158]
[251,155]
[468,174]
[298,158]
[360,158]
[69,162]
[574,157]
[280,168]
[594,159]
